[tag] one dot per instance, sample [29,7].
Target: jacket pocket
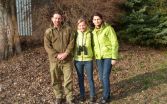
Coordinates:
[54,40]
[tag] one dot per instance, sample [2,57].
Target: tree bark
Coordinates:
[9,38]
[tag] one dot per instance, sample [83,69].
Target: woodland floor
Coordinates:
[140,77]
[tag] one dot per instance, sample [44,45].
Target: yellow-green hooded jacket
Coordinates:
[83,39]
[105,42]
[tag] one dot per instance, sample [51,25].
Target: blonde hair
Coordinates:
[82,20]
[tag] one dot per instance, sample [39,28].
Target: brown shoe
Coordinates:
[82,99]
[71,102]
[58,101]
[92,100]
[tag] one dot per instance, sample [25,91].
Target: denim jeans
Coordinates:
[80,66]
[104,70]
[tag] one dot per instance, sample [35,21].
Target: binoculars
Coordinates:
[82,49]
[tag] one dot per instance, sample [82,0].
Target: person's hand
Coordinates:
[113,62]
[62,56]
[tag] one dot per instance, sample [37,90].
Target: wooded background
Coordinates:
[142,22]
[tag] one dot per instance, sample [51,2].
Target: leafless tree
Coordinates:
[9,38]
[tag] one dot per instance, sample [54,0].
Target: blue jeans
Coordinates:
[104,70]
[88,66]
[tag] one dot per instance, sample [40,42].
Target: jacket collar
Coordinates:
[61,27]
[102,26]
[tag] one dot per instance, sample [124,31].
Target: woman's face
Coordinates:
[97,21]
[82,26]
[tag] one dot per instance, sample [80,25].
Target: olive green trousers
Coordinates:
[61,78]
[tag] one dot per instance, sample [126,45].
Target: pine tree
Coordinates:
[145,23]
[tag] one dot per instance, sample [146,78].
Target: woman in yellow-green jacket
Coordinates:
[83,58]
[105,51]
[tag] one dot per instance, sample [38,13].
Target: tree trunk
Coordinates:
[9,38]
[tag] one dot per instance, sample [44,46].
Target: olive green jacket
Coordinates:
[59,41]
[105,42]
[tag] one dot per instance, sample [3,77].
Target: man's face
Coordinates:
[57,19]
[82,26]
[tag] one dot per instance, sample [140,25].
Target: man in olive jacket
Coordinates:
[59,43]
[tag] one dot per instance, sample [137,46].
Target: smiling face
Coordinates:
[57,19]
[97,21]
[82,26]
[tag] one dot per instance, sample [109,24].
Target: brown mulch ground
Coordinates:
[25,79]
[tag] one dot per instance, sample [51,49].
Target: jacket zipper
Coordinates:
[82,45]
[98,44]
